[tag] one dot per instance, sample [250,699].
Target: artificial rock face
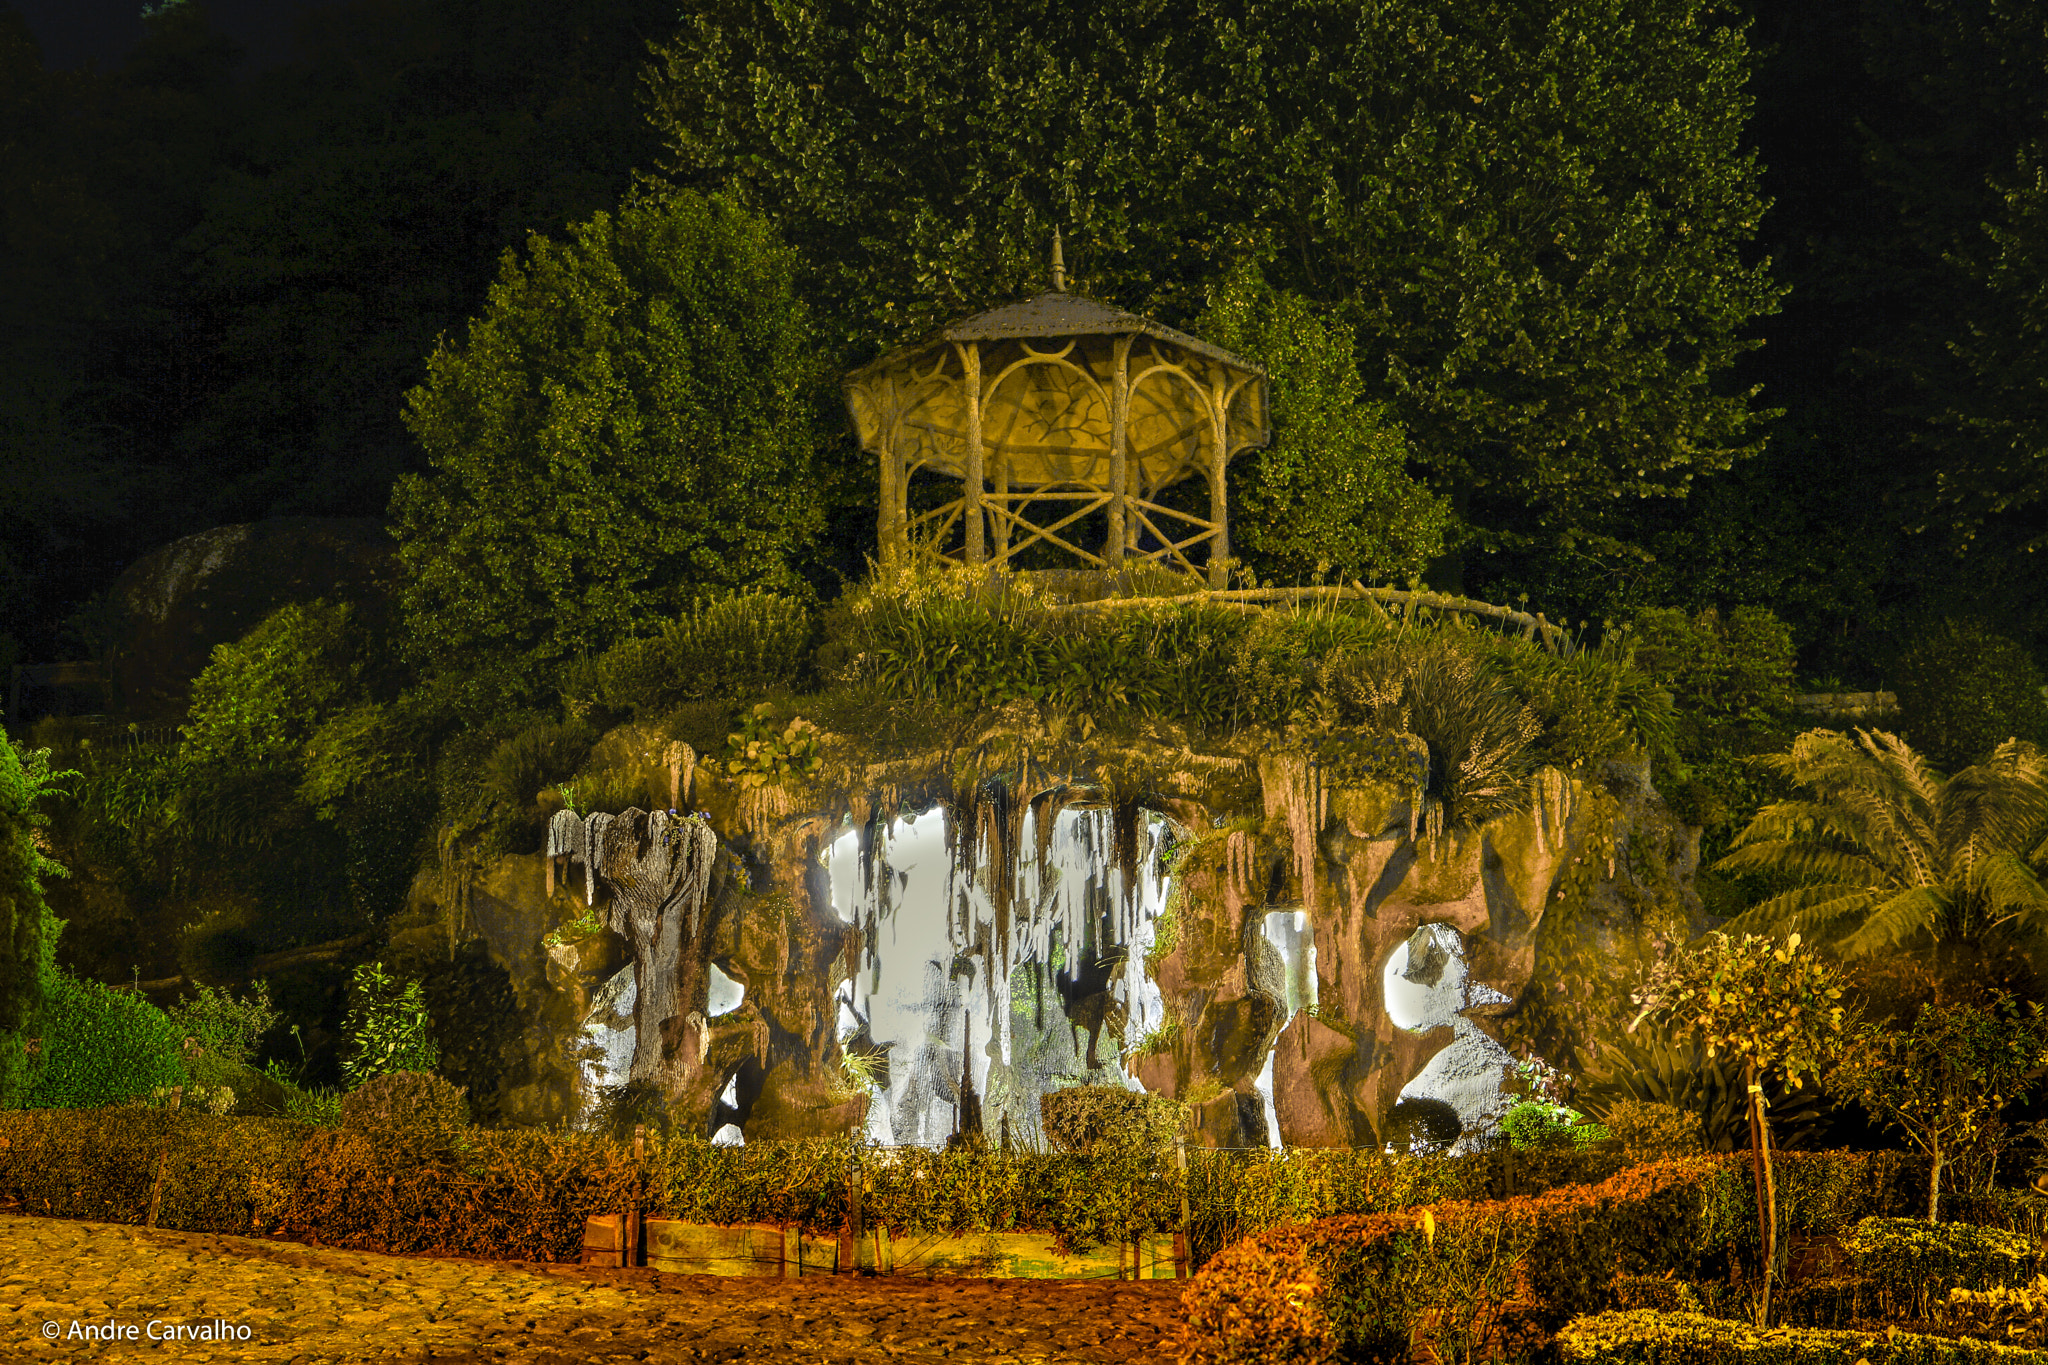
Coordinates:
[1286,956]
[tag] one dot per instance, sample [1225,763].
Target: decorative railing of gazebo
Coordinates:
[1059,401]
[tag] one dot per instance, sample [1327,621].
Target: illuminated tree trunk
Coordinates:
[1766,1187]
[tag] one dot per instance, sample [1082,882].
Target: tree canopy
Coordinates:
[1333,492]
[633,421]
[1534,219]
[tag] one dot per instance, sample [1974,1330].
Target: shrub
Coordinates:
[220,1034]
[408,1111]
[1963,689]
[1912,1263]
[261,698]
[1648,1131]
[1643,1337]
[1109,1118]
[1534,1125]
[1664,1293]
[1383,1277]
[386,1025]
[102,1046]
[2017,1316]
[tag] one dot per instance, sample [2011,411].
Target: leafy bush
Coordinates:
[221,1034]
[414,1112]
[2015,1315]
[1109,1118]
[28,932]
[1534,1125]
[1645,1337]
[262,697]
[102,1046]
[1664,1293]
[387,1026]
[1649,1131]
[738,646]
[1913,1263]
[1380,1282]
[764,752]
[1944,1080]
[1963,689]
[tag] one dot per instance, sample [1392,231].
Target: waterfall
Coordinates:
[1010,974]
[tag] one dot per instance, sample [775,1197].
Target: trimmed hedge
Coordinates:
[1384,1279]
[1911,1264]
[1643,1337]
[522,1193]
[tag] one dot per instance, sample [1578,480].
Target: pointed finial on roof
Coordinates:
[1059,266]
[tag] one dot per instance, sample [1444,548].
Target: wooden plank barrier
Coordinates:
[769,1250]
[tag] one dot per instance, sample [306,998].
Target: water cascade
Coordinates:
[986,982]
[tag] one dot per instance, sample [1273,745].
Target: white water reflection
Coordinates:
[979,1004]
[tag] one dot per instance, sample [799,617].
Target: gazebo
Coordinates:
[1059,402]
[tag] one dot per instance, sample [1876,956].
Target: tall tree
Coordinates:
[1535,218]
[1332,493]
[634,420]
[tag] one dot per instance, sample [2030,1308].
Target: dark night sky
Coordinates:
[74,32]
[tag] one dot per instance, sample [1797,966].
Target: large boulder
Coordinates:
[177,602]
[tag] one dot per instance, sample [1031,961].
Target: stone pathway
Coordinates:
[65,1287]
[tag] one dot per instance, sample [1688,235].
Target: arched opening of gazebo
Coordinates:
[1048,412]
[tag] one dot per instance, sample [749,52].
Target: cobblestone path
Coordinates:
[75,1281]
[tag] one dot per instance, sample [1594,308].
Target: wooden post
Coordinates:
[1114,543]
[1219,510]
[971,472]
[635,1251]
[1181,1269]
[850,1231]
[888,521]
[1759,1161]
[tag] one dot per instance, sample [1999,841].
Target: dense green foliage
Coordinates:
[739,646]
[387,1026]
[103,1046]
[1886,851]
[1643,1336]
[1731,684]
[1963,690]
[1945,1080]
[1535,226]
[1913,1263]
[1489,707]
[263,697]
[1332,494]
[635,418]
[28,932]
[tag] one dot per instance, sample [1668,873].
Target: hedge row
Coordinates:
[1642,1337]
[524,1194]
[1457,1272]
